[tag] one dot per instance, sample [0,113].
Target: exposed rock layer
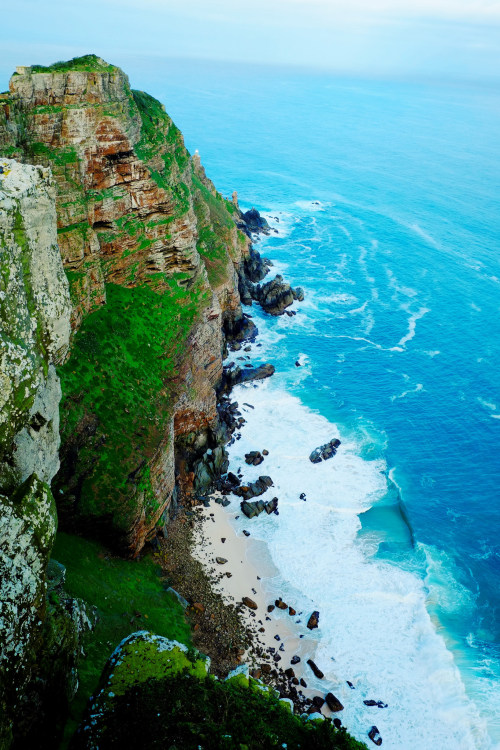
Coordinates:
[135,213]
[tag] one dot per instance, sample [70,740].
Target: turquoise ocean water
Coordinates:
[386,198]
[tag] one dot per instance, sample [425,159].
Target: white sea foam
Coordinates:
[487,404]
[423,234]
[311,205]
[375,629]
[412,325]
[419,387]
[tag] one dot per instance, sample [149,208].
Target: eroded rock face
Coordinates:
[134,212]
[34,325]
[39,640]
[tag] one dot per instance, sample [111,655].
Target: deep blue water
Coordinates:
[400,330]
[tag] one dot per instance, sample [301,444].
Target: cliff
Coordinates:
[152,254]
[121,268]
[39,638]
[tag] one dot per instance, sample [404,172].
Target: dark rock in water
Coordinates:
[251,510]
[324,451]
[289,673]
[374,735]
[303,496]
[254,458]
[255,222]
[233,479]
[246,533]
[295,660]
[271,506]
[265,453]
[298,294]
[246,374]
[350,685]
[333,703]
[275,295]
[337,723]
[254,489]
[270,607]
[221,560]
[222,501]
[277,638]
[249,602]
[297,364]
[318,673]
[281,604]
[370,703]
[313,621]
[292,612]
[303,682]
[318,701]
[381,704]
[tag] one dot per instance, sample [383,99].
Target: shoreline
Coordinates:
[276,637]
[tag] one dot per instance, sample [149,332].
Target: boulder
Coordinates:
[317,672]
[275,295]
[254,222]
[313,621]
[333,703]
[254,458]
[324,452]
[249,602]
[254,489]
[374,735]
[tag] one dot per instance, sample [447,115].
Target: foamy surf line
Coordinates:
[375,630]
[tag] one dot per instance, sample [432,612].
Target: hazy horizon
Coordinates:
[446,39]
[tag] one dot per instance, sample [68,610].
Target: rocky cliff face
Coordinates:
[34,336]
[152,254]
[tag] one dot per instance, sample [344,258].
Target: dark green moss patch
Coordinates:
[129,596]
[187,712]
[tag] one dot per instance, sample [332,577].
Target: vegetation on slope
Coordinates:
[121,384]
[87,63]
[129,595]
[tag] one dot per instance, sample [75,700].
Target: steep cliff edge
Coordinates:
[38,639]
[152,254]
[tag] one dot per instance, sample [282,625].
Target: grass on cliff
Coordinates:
[215,240]
[129,596]
[119,389]
[189,713]
[87,63]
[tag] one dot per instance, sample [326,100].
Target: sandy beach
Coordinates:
[248,571]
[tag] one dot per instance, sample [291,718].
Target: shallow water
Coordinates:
[387,200]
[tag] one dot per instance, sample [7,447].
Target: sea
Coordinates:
[384,202]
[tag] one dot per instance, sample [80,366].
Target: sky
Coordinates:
[451,39]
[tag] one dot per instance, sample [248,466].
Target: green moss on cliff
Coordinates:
[189,712]
[85,62]
[215,233]
[123,378]
[129,595]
